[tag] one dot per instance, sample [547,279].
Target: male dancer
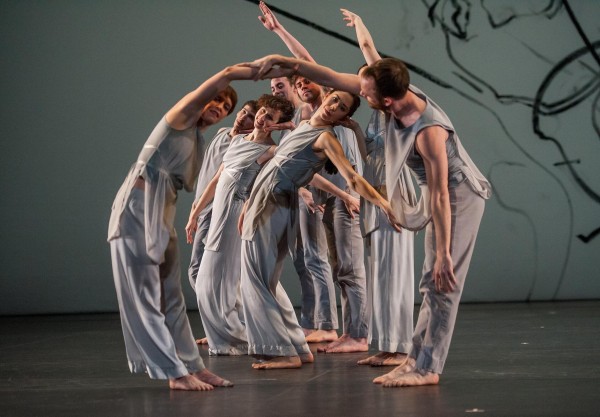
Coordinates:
[453,197]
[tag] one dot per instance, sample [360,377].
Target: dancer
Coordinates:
[453,194]
[244,123]
[143,242]
[333,236]
[269,222]
[217,287]
[390,259]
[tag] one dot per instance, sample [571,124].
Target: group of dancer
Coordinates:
[256,201]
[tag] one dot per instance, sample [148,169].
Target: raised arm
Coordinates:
[271,23]
[187,111]
[365,41]
[206,197]
[273,66]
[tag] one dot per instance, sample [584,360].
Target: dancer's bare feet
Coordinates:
[384,359]
[349,345]
[189,383]
[320,336]
[334,343]
[203,341]
[408,366]
[208,377]
[279,362]
[413,379]
[308,332]
[307,358]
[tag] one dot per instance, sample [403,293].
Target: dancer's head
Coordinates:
[283,87]
[244,119]
[337,105]
[272,110]
[308,91]
[384,81]
[219,107]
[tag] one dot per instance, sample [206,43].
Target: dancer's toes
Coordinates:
[208,377]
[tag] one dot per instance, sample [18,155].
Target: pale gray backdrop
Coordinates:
[83,83]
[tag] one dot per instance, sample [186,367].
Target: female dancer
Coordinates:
[268,228]
[217,286]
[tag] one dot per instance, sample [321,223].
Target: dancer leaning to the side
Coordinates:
[143,242]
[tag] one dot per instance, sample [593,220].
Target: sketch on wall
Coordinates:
[508,59]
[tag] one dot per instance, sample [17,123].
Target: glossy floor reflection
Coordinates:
[538,359]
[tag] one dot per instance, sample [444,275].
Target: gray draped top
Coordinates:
[169,161]
[235,183]
[399,150]
[292,167]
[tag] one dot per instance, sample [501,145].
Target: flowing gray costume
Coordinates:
[212,161]
[390,263]
[145,256]
[218,284]
[303,262]
[468,190]
[270,230]
[346,246]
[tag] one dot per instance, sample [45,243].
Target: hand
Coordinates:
[443,274]
[348,122]
[270,66]
[350,18]
[268,19]
[280,126]
[190,229]
[352,205]
[389,213]
[308,199]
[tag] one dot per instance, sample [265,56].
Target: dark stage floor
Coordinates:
[539,359]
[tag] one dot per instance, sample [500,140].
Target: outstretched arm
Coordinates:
[352,203]
[271,23]
[273,66]
[186,112]
[365,41]
[206,197]
[332,148]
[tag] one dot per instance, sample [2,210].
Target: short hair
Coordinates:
[391,77]
[253,104]
[355,101]
[278,103]
[230,93]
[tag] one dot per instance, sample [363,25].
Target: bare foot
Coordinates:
[203,341]
[320,336]
[413,379]
[279,362]
[334,343]
[406,367]
[373,359]
[349,345]
[189,383]
[307,358]
[308,332]
[390,359]
[207,376]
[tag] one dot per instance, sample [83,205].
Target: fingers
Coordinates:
[321,208]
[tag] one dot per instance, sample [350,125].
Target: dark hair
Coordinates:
[355,101]
[230,93]
[278,103]
[253,104]
[391,77]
